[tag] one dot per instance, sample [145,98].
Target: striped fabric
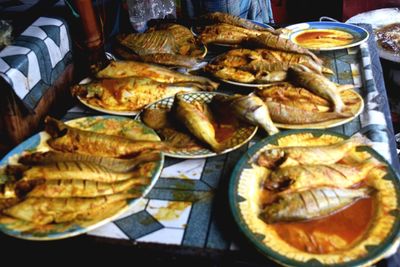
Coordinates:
[258,10]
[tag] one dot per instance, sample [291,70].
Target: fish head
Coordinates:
[272,158]
[279,183]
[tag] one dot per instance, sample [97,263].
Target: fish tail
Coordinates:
[359,140]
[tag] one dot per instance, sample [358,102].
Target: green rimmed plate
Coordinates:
[379,240]
[102,124]
[241,136]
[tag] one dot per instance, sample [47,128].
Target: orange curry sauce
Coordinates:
[349,225]
[321,37]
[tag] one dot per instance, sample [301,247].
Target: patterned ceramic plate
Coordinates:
[354,104]
[240,136]
[104,124]
[327,35]
[358,235]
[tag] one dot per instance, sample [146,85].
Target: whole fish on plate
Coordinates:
[219,17]
[112,164]
[226,34]
[122,69]
[84,188]
[131,93]
[249,108]
[197,122]
[73,140]
[311,204]
[281,113]
[150,42]
[319,85]
[292,59]
[47,210]
[272,41]
[289,95]
[300,177]
[70,170]
[324,154]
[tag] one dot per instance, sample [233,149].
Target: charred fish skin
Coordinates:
[112,164]
[69,139]
[311,204]
[319,85]
[78,171]
[196,121]
[301,177]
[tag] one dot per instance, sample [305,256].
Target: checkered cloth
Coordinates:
[34,61]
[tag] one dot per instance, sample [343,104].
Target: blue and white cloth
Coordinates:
[34,61]
[257,10]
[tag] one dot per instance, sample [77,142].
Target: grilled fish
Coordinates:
[226,34]
[291,59]
[296,178]
[196,121]
[289,95]
[272,41]
[292,115]
[85,188]
[311,204]
[131,93]
[112,164]
[326,154]
[122,69]
[319,85]
[81,171]
[249,108]
[47,210]
[69,139]
[149,42]
[219,17]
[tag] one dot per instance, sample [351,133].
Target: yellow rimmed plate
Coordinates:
[103,124]
[378,240]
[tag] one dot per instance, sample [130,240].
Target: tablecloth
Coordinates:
[36,58]
[188,205]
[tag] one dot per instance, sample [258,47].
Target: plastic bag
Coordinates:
[141,11]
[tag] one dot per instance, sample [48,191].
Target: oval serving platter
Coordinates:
[103,124]
[240,137]
[374,243]
[327,31]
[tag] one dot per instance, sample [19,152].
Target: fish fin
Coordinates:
[327,70]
